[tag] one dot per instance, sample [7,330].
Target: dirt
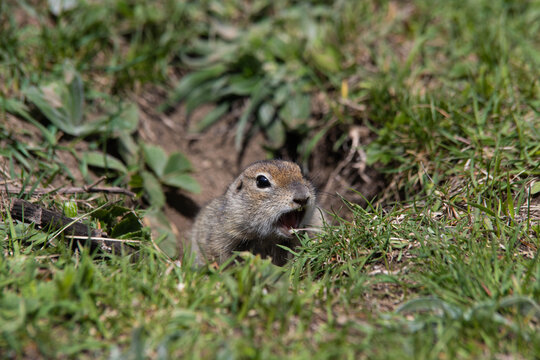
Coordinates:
[217,162]
[336,173]
[213,155]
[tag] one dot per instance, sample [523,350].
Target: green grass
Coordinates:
[444,265]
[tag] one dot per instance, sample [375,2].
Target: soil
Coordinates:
[217,162]
[337,173]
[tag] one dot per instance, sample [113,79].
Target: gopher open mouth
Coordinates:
[291,220]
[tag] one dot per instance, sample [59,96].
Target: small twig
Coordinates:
[69,190]
[78,237]
[355,136]
[353,105]
[310,229]
[110,190]
[95,183]
[52,256]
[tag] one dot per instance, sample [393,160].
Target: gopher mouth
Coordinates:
[290,221]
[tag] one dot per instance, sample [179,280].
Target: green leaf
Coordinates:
[74,98]
[535,188]
[483,208]
[488,224]
[62,103]
[283,50]
[69,208]
[153,189]
[13,312]
[193,81]
[177,163]
[296,111]
[129,224]
[110,212]
[267,113]
[155,158]
[136,182]
[375,152]
[209,53]
[282,94]
[182,181]
[429,304]
[326,59]
[276,134]
[526,305]
[324,55]
[18,108]
[105,161]
[210,118]
[261,91]
[57,116]
[62,106]
[509,200]
[310,145]
[207,93]
[126,121]
[128,149]
[241,85]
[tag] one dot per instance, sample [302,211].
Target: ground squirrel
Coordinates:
[260,209]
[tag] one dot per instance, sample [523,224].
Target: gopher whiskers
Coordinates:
[310,229]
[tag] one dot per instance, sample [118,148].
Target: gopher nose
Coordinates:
[301,201]
[300,194]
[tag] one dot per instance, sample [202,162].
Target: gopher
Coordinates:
[262,208]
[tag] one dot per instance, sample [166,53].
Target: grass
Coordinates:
[444,265]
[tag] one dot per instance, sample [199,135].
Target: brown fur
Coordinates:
[245,218]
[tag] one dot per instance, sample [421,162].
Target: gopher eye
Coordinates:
[263,182]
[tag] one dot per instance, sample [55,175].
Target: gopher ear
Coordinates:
[239,185]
